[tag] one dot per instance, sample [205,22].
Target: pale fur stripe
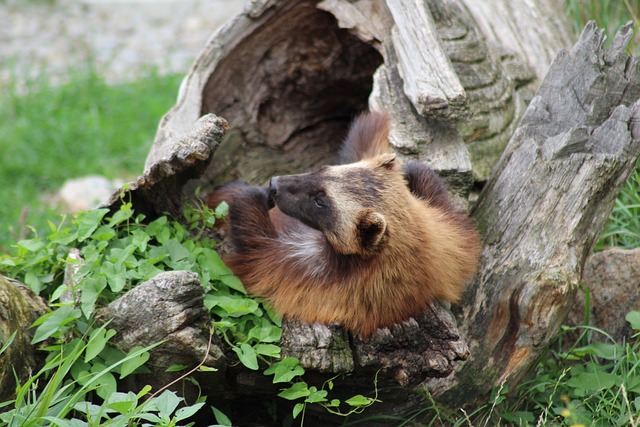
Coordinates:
[306,250]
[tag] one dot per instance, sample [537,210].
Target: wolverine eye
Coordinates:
[319,201]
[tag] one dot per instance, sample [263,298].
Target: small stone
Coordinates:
[85,193]
[613,280]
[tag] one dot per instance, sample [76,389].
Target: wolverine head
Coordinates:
[347,203]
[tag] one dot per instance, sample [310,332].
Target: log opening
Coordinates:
[288,91]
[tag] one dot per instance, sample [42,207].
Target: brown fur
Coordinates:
[366,245]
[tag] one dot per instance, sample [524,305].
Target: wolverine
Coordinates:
[367,243]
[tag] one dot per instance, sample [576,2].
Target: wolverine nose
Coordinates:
[273,190]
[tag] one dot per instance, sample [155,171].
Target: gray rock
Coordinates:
[613,280]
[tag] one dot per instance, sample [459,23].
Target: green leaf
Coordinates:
[233,282]
[97,341]
[297,409]
[104,233]
[592,381]
[187,411]
[296,391]
[116,275]
[333,404]
[210,261]
[105,385]
[268,350]
[8,262]
[148,416]
[520,418]
[88,222]
[316,396]
[123,214]
[63,237]
[145,390]
[234,305]
[91,287]
[54,321]
[247,356]
[147,270]
[8,343]
[177,252]
[31,245]
[122,402]
[140,240]
[155,254]
[58,293]
[166,403]
[176,368]
[123,256]
[159,229]
[265,331]
[33,281]
[222,209]
[221,418]
[133,362]
[285,370]
[633,384]
[359,400]
[599,349]
[633,317]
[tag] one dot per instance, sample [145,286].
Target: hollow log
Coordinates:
[290,75]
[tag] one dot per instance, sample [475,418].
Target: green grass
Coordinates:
[609,14]
[623,226]
[82,127]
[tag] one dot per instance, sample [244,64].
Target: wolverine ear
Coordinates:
[386,160]
[371,229]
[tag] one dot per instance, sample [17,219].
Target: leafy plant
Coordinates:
[119,251]
[597,383]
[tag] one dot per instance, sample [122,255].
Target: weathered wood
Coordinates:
[164,186]
[418,132]
[169,308]
[430,81]
[288,81]
[498,81]
[405,354]
[19,308]
[517,27]
[543,209]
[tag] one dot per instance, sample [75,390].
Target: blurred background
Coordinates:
[84,83]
